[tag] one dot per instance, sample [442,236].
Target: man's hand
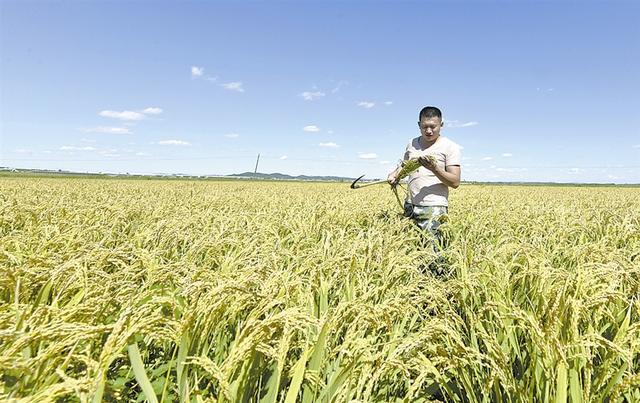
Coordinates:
[428,162]
[392,179]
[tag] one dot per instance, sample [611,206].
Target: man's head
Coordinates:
[430,122]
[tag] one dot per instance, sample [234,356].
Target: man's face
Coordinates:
[430,128]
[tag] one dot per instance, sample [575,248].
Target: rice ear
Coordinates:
[408,167]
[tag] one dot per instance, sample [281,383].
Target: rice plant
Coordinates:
[124,290]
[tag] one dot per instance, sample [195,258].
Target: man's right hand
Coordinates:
[391,178]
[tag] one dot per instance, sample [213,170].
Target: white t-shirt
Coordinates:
[424,186]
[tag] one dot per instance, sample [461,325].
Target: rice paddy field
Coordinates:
[165,291]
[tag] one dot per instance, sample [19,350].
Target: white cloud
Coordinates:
[507,155]
[124,115]
[232,135]
[152,111]
[311,129]
[174,143]
[106,130]
[574,171]
[635,146]
[368,156]
[197,71]
[310,96]
[74,148]
[366,104]
[339,86]
[284,157]
[234,86]
[388,103]
[22,151]
[545,89]
[487,158]
[456,123]
[87,140]
[329,144]
[330,131]
[385,162]
[142,154]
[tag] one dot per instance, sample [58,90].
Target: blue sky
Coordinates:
[532,91]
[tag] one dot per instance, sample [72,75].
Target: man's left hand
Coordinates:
[428,162]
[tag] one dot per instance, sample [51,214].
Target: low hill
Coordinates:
[279,176]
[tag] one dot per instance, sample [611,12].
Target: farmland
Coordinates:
[228,291]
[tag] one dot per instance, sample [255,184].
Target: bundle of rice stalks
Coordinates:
[410,166]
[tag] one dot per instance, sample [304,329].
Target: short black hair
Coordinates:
[430,112]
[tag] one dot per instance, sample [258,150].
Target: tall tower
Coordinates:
[257,160]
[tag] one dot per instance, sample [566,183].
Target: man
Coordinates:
[429,185]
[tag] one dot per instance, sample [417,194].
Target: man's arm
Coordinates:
[450,176]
